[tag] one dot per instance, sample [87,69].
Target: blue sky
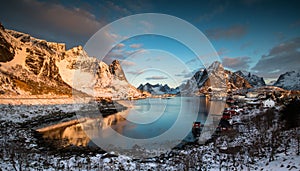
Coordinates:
[261,36]
[155,59]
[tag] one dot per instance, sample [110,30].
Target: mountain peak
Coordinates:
[289,80]
[221,78]
[158,89]
[253,80]
[215,66]
[1,26]
[36,67]
[116,69]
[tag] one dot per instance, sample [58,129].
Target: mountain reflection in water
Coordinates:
[74,132]
[161,114]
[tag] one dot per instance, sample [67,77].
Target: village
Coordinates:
[240,105]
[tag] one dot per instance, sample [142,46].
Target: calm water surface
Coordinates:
[148,122]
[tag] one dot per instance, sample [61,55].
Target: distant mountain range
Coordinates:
[201,83]
[30,66]
[158,89]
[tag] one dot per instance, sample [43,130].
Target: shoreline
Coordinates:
[42,99]
[126,103]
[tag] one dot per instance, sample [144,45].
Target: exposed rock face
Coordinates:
[7,85]
[6,50]
[253,80]
[214,78]
[158,89]
[237,82]
[116,70]
[33,66]
[1,26]
[289,80]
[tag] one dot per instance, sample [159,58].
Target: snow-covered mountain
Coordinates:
[30,66]
[289,80]
[254,80]
[158,89]
[215,77]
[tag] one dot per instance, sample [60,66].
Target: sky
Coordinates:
[260,36]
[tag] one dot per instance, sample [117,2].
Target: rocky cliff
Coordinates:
[253,80]
[214,78]
[34,67]
[289,80]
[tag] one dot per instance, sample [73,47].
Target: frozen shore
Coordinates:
[20,148]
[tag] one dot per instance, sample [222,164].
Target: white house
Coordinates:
[252,95]
[269,103]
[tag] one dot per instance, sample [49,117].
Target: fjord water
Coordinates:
[160,120]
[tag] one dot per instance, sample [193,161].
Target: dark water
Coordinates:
[147,122]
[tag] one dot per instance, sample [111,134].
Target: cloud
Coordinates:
[222,51]
[49,20]
[115,7]
[122,54]
[156,78]
[281,58]
[236,63]
[193,60]
[119,46]
[186,74]
[137,72]
[116,53]
[147,26]
[199,59]
[132,53]
[127,63]
[232,32]
[135,46]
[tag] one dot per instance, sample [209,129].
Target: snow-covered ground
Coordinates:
[250,148]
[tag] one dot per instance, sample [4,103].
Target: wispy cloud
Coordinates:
[186,74]
[281,58]
[198,60]
[127,63]
[135,46]
[223,51]
[119,46]
[115,7]
[121,53]
[136,72]
[147,26]
[236,63]
[232,32]
[156,78]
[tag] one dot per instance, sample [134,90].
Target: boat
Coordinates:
[197,128]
